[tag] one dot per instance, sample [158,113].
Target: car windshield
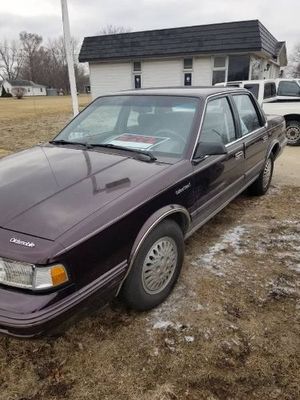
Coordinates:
[160,125]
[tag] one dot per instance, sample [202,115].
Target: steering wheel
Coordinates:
[170,132]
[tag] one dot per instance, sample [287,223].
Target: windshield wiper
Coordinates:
[62,141]
[136,151]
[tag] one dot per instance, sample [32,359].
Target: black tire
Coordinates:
[260,186]
[293,133]
[135,292]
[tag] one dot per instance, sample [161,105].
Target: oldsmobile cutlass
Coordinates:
[103,209]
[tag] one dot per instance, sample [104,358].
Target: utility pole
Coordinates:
[70,60]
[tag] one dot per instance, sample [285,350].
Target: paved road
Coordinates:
[287,167]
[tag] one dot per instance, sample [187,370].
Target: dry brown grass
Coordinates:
[34,107]
[230,330]
[23,123]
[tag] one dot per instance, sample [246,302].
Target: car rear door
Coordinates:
[217,179]
[255,136]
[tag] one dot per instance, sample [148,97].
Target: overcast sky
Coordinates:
[88,16]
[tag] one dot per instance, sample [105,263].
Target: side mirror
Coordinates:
[209,149]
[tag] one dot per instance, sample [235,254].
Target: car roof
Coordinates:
[257,81]
[202,92]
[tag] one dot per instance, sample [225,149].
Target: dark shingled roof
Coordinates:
[243,36]
[23,82]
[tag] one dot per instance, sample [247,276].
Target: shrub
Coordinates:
[18,92]
[4,93]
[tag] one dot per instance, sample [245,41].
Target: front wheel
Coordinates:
[293,133]
[156,267]
[261,185]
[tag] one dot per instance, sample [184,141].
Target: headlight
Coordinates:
[28,276]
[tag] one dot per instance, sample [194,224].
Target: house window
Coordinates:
[188,64]
[137,76]
[41,89]
[137,66]
[238,68]
[219,69]
[28,90]
[188,79]
[137,81]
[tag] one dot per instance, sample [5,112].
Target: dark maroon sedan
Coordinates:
[103,209]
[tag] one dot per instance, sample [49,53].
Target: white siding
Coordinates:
[162,73]
[202,71]
[109,78]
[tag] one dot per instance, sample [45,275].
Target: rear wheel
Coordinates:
[293,133]
[156,267]
[261,185]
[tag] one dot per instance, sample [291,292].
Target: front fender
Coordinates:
[150,224]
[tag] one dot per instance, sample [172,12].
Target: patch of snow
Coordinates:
[163,325]
[189,339]
[230,242]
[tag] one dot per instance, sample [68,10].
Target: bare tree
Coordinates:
[45,64]
[11,59]
[58,66]
[31,43]
[293,68]
[114,29]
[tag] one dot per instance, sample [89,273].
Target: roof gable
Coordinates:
[23,82]
[243,36]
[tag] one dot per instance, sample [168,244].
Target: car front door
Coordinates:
[217,178]
[254,134]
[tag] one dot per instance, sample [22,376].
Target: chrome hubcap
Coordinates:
[267,173]
[293,134]
[159,265]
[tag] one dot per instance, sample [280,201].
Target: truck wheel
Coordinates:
[293,133]
[156,267]
[261,185]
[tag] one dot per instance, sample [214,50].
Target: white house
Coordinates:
[188,56]
[30,88]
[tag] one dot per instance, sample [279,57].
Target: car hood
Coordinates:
[47,190]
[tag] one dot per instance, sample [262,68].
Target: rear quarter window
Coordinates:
[286,88]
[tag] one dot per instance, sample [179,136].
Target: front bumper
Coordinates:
[36,314]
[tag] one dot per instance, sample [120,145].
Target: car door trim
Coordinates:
[217,210]
[219,194]
[208,98]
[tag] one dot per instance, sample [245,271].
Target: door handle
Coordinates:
[239,154]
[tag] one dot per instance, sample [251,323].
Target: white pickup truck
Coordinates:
[277,96]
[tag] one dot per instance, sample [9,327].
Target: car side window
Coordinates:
[218,124]
[248,116]
[253,88]
[286,88]
[269,90]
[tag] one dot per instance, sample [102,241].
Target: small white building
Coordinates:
[189,56]
[30,88]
